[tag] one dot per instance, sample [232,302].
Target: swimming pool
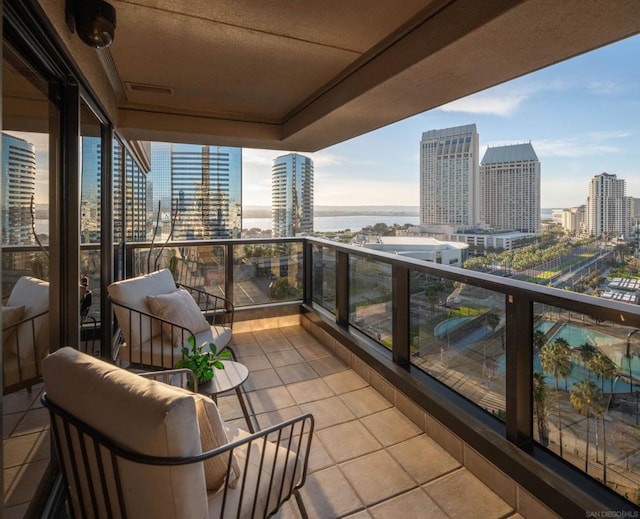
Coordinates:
[577,336]
[448,325]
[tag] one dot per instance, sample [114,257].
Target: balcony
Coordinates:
[402,352]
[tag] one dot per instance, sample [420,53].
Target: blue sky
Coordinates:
[582,117]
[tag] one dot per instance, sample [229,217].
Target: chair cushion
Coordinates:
[10,316]
[142,415]
[132,293]
[218,335]
[212,436]
[178,307]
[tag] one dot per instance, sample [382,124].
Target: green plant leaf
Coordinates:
[218,364]
[192,341]
[213,348]
[225,355]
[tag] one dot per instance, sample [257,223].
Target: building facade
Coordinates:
[18,190]
[510,188]
[292,195]
[608,207]
[449,193]
[574,219]
[199,188]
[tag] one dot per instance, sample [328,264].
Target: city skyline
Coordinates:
[582,116]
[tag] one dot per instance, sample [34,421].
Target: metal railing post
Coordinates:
[342,288]
[400,315]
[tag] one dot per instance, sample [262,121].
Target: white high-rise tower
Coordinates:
[449,192]
[292,195]
[510,188]
[607,206]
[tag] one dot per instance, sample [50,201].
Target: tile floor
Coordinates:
[368,460]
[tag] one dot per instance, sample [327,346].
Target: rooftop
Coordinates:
[512,153]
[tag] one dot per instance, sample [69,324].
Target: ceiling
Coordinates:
[303,75]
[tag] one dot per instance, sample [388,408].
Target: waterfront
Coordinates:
[338,223]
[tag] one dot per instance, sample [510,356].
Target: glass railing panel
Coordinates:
[267,273]
[17,263]
[586,384]
[370,298]
[457,334]
[323,277]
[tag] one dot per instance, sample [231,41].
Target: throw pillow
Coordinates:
[10,315]
[180,308]
[212,436]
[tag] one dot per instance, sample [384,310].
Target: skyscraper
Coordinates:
[608,207]
[204,184]
[18,188]
[510,188]
[292,195]
[449,177]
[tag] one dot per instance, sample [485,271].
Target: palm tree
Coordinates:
[587,352]
[540,401]
[555,360]
[583,398]
[604,367]
[538,340]
[600,408]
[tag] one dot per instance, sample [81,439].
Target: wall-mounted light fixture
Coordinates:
[93,20]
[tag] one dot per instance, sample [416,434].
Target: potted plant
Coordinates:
[202,363]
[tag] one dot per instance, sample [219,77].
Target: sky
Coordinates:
[582,117]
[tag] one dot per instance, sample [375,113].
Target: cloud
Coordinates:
[605,87]
[503,100]
[586,145]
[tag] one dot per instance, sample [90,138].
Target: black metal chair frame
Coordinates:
[26,383]
[90,444]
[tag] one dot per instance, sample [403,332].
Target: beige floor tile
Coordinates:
[229,407]
[42,448]
[250,349]
[239,338]
[34,420]
[423,458]
[345,381]
[327,495]
[9,422]
[310,390]
[15,512]
[390,426]
[262,379]
[303,339]
[275,417]
[296,373]
[347,441]
[285,358]
[376,477]
[415,503]
[17,449]
[271,399]
[9,477]
[19,401]
[365,401]
[318,457]
[290,331]
[289,510]
[460,494]
[328,365]
[272,345]
[26,483]
[313,351]
[256,362]
[362,514]
[328,412]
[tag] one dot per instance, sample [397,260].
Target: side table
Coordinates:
[231,377]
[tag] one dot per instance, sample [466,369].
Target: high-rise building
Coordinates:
[203,183]
[18,190]
[292,195]
[608,207]
[574,219]
[510,188]
[449,193]
[90,190]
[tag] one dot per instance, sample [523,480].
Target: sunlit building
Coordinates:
[574,219]
[18,190]
[449,177]
[510,188]
[292,195]
[607,206]
[198,186]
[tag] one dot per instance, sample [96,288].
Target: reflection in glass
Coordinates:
[324,277]
[457,335]
[370,298]
[267,273]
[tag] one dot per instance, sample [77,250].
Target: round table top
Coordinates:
[233,375]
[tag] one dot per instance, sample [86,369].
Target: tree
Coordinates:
[586,352]
[583,398]
[555,360]
[604,367]
[538,340]
[541,405]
